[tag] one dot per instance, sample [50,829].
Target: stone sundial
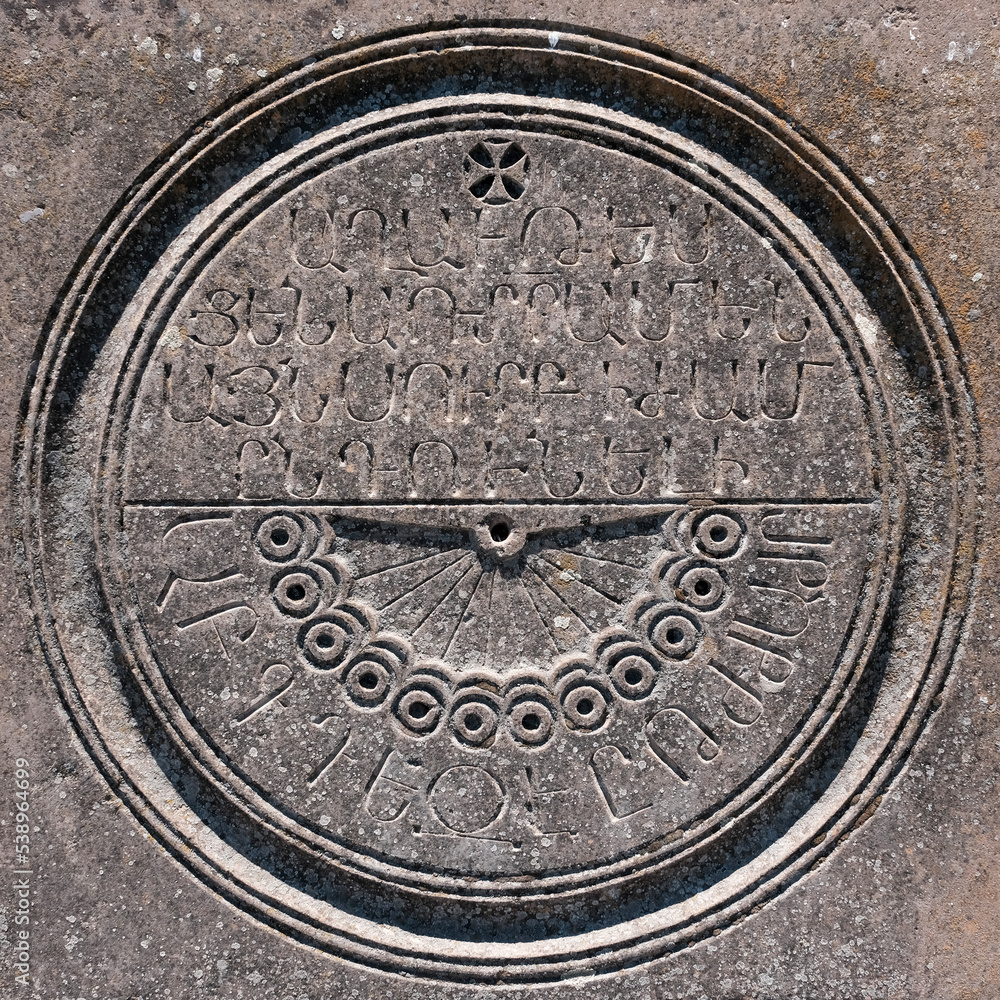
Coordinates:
[498,499]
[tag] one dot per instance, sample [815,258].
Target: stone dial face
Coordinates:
[467,521]
[499,503]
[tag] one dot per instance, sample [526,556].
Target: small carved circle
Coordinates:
[719,535]
[369,680]
[673,634]
[298,592]
[474,720]
[467,799]
[280,538]
[530,721]
[328,641]
[585,706]
[702,587]
[323,644]
[420,705]
[633,673]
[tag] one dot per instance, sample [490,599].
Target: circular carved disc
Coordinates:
[497,500]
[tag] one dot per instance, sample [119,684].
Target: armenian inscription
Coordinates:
[507,520]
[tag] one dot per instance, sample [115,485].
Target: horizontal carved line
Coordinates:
[481,502]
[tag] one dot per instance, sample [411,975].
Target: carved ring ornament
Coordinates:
[498,504]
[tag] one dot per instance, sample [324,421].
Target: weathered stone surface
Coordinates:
[496,506]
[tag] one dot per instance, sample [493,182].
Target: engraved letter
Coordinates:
[612,768]
[741,703]
[217,326]
[690,230]
[187,391]
[368,388]
[680,742]
[550,238]
[392,786]
[434,465]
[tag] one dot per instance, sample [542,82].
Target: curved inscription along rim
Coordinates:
[428,119]
[672,925]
